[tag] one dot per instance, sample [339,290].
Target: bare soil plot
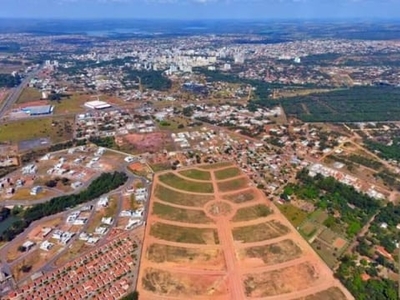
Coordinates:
[216,166]
[227,173]
[171,213]
[180,183]
[332,293]
[251,213]
[154,142]
[259,232]
[165,194]
[282,281]
[182,285]
[196,174]
[272,254]
[75,250]
[159,253]
[34,260]
[187,235]
[241,197]
[234,184]
[185,259]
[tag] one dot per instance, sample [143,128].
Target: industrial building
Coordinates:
[38,110]
[97,104]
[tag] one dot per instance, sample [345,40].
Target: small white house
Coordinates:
[36,190]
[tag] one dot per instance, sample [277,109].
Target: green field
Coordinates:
[259,232]
[252,212]
[29,94]
[216,165]
[325,252]
[196,174]
[71,104]
[180,215]
[319,216]
[171,196]
[180,183]
[295,215]
[38,128]
[358,104]
[160,167]
[184,234]
[227,173]
[309,229]
[232,185]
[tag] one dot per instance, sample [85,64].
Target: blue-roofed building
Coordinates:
[38,110]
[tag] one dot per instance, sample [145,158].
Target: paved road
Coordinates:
[16,92]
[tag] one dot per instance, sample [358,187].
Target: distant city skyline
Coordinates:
[201,9]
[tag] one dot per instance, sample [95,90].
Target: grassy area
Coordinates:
[216,165]
[111,209]
[25,194]
[259,232]
[72,104]
[241,197]
[29,94]
[186,185]
[332,293]
[73,251]
[95,221]
[227,173]
[196,174]
[37,128]
[181,215]
[295,215]
[232,185]
[164,253]
[252,212]
[171,196]
[160,167]
[275,253]
[326,253]
[319,216]
[184,234]
[309,229]
[134,205]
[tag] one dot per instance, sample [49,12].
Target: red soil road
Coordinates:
[236,271]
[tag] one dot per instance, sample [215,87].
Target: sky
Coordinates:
[201,9]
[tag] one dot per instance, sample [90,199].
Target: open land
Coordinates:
[57,129]
[239,245]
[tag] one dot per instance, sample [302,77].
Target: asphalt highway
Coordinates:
[15,93]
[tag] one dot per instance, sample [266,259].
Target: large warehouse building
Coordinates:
[38,110]
[97,104]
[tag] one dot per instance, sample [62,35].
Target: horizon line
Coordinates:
[202,19]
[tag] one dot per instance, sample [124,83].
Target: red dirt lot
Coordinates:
[177,262]
[148,142]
